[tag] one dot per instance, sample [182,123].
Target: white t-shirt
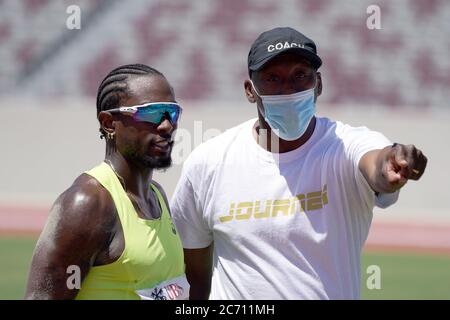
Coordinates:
[284,226]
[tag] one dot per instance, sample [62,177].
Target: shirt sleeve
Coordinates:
[188,215]
[364,140]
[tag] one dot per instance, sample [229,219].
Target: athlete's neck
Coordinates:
[271,142]
[135,178]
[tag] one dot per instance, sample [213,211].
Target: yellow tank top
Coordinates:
[152,263]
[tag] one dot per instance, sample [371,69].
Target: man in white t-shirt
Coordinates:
[280,206]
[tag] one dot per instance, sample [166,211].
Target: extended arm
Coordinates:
[387,170]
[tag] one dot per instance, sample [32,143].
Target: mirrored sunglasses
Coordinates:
[153,112]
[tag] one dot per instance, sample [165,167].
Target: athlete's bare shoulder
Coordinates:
[86,199]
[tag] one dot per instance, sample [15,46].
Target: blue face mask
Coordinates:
[289,114]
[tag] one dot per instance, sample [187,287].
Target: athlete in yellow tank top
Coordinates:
[110,235]
[151,264]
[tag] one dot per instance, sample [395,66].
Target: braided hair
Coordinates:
[114,86]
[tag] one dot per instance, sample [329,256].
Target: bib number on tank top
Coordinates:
[172,289]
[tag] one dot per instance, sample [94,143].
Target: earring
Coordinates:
[110,135]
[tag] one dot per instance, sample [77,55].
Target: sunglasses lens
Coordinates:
[155,113]
[174,115]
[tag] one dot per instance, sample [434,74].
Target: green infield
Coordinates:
[406,276]
[15,257]
[401,275]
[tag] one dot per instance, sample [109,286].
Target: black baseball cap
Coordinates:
[271,43]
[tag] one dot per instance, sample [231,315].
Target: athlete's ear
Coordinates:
[106,122]
[249,92]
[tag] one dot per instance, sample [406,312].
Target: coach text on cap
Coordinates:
[271,43]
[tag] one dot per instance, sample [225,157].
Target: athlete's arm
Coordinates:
[387,170]
[198,271]
[78,227]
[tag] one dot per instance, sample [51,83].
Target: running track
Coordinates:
[414,237]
